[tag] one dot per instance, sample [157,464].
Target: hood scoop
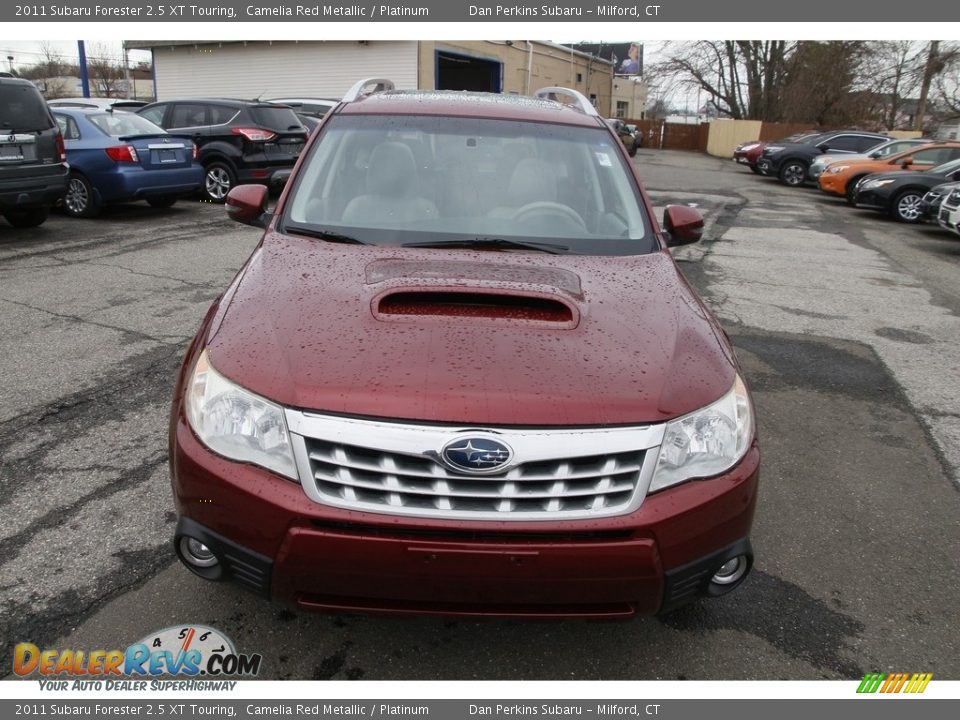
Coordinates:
[480,304]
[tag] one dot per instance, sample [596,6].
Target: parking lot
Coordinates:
[848,329]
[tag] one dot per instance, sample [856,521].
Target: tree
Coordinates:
[742,79]
[106,74]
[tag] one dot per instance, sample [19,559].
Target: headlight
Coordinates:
[237,424]
[772,149]
[834,169]
[871,184]
[748,146]
[706,442]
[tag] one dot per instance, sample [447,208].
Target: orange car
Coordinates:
[841,176]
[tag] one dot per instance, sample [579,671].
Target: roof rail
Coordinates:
[585,105]
[356,91]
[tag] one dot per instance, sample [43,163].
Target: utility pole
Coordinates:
[126,69]
[933,67]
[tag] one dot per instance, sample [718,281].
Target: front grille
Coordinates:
[396,468]
[369,477]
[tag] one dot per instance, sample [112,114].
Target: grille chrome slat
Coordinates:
[496,493]
[514,474]
[395,468]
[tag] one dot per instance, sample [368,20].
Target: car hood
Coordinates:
[906,175]
[465,336]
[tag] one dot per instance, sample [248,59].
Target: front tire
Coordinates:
[754,169]
[27,218]
[80,200]
[218,180]
[793,173]
[906,207]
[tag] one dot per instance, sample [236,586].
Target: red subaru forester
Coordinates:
[462,374]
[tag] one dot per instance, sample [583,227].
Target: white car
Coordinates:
[949,216]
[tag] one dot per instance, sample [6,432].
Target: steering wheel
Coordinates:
[545,208]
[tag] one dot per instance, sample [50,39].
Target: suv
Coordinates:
[239,141]
[33,167]
[790,162]
[461,373]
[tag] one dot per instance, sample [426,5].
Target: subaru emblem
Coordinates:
[476,455]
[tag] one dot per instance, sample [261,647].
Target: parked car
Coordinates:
[33,167]
[790,162]
[637,134]
[240,141]
[749,153]
[627,137]
[885,150]
[98,103]
[900,193]
[949,215]
[930,204]
[842,176]
[118,157]
[461,373]
[310,110]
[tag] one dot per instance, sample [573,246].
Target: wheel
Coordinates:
[27,218]
[755,169]
[162,202]
[80,200]
[545,208]
[906,206]
[218,181]
[793,173]
[851,186]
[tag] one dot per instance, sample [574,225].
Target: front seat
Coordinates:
[392,184]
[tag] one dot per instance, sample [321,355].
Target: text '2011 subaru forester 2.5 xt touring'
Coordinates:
[462,374]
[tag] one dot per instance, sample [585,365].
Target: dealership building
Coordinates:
[326,69]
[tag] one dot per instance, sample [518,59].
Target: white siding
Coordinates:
[280,69]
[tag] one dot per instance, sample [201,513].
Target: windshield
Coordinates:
[400,180]
[124,124]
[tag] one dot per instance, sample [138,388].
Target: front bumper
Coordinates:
[943,219]
[831,184]
[275,540]
[870,199]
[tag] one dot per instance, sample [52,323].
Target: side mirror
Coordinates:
[906,162]
[875,154]
[247,204]
[682,225]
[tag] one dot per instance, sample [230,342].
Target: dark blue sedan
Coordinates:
[119,157]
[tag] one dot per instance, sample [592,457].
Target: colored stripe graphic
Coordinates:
[894,683]
[870,683]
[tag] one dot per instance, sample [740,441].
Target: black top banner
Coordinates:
[579,11]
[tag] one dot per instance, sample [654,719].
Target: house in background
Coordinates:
[327,69]
[949,129]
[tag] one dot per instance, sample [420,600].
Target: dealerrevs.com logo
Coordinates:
[180,651]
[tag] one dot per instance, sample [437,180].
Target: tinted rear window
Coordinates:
[278,119]
[22,108]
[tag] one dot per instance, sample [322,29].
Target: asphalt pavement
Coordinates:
[847,326]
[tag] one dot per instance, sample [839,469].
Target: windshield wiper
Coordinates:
[494,242]
[320,233]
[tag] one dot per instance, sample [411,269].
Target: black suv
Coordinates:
[33,167]
[239,141]
[791,161]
